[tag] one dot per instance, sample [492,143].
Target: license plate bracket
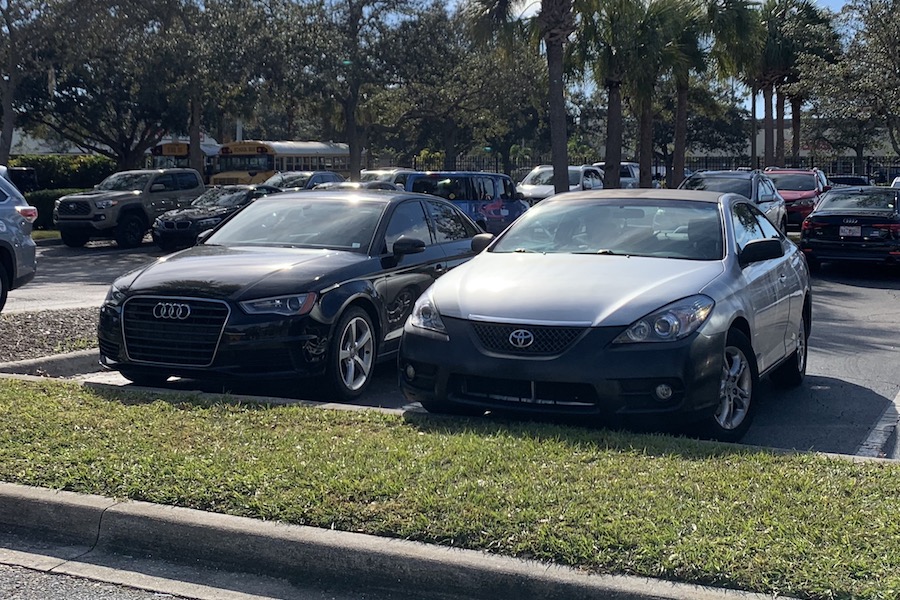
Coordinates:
[850,231]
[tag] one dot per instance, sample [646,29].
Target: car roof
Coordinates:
[364,194]
[727,173]
[643,194]
[458,174]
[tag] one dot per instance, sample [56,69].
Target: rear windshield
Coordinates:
[793,182]
[734,185]
[880,200]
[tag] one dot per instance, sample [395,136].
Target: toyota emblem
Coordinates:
[171,310]
[521,338]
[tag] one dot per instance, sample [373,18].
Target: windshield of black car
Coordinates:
[226,197]
[339,222]
[658,228]
[124,182]
[735,185]
[880,200]
[793,182]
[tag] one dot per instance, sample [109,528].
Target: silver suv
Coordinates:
[17,252]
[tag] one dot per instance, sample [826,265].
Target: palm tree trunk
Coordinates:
[796,107]
[558,135]
[197,158]
[614,129]
[645,144]
[779,129]
[754,127]
[768,127]
[680,142]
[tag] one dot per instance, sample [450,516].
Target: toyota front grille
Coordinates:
[541,341]
[173,331]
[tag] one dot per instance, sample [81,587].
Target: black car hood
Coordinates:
[195,213]
[241,272]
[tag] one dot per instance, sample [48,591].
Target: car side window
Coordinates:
[167,181]
[766,191]
[449,225]
[187,181]
[745,225]
[508,192]
[769,230]
[408,220]
[484,188]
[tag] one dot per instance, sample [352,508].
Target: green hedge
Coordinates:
[44,201]
[57,171]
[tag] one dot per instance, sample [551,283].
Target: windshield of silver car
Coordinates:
[656,228]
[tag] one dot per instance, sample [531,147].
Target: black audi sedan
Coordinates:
[300,284]
[179,228]
[853,224]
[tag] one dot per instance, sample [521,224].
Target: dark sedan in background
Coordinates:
[853,224]
[179,228]
[299,284]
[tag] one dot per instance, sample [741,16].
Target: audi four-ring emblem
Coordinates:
[521,338]
[171,310]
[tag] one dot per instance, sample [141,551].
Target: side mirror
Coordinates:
[825,188]
[201,237]
[481,241]
[157,187]
[404,245]
[760,250]
[766,198]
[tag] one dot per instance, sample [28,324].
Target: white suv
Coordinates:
[17,251]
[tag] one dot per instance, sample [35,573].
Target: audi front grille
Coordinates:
[173,331]
[543,340]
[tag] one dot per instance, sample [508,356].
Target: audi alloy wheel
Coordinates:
[352,355]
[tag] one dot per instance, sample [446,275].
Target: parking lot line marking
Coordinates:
[873,445]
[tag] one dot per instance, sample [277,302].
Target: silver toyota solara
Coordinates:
[647,305]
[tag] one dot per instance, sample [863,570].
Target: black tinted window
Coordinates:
[449,224]
[408,220]
[167,181]
[187,181]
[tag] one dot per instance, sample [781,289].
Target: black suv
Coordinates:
[17,252]
[753,185]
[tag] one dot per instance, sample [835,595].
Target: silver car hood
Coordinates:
[582,289]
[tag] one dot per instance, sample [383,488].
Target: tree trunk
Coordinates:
[768,127]
[779,128]
[614,128]
[8,123]
[197,157]
[676,175]
[796,106]
[352,133]
[557,102]
[450,140]
[645,144]
[754,128]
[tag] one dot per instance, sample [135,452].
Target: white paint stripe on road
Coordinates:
[873,446]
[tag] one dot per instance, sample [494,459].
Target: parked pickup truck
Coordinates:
[124,205]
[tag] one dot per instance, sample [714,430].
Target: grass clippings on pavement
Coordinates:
[803,525]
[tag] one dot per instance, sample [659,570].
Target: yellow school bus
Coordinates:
[167,155]
[254,161]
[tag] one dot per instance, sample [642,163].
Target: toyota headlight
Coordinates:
[671,322]
[102,204]
[288,306]
[425,314]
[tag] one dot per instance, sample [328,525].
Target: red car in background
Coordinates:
[801,189]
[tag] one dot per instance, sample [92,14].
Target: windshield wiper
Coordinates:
[605,251]
[526,251]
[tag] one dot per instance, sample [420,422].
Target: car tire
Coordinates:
[4,286]
[74,239]
[144,378]
[814,264]
[793,370]
[351,359]
[737,389]
[130,231]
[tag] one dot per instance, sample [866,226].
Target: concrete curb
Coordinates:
[310,555]
[58,365]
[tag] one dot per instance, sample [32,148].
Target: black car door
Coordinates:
[406,276]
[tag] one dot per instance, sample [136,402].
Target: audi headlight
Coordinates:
[425,314]
[289,306]
[114,296]
[101,204]
[212,222]
[672,322]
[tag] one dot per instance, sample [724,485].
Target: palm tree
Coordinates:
[555,22]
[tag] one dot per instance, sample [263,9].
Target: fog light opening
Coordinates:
[663,392]
[410,372]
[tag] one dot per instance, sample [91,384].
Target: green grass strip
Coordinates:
[803,525]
